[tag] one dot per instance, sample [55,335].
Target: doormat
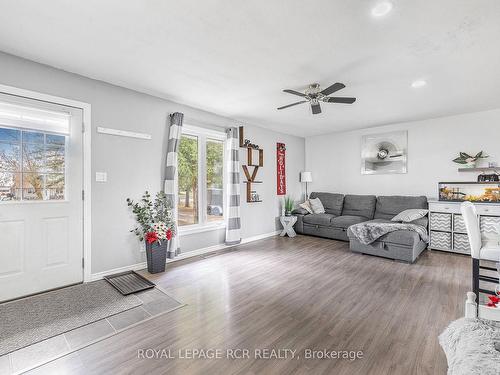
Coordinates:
[29,320]
[129,282]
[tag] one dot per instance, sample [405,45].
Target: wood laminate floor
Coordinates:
[297,294]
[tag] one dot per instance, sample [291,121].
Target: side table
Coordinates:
[288,222]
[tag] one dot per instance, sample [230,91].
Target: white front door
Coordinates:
[41,207]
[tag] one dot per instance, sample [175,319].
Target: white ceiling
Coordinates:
[234,57]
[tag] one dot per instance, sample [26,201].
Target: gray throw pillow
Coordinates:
[409,215]
[317,206]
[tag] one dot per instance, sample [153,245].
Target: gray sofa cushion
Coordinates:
[400,237]
[331,201]
[345,221]
[300,211]
[318,219]
[359,205]
[390,206]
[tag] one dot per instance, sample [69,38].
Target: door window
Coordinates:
[32,165]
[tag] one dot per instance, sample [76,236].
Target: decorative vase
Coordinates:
[288,213]
[156,255]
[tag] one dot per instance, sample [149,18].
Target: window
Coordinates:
[32,165]
[188,180]
[201,177]
[215,179]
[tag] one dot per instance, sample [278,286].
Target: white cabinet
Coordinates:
[447,229]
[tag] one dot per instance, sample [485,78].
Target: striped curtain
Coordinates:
[171,177]
[233,227]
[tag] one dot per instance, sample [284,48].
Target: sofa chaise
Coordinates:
[342,211]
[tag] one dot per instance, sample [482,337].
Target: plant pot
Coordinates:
[156,255]
[288,213]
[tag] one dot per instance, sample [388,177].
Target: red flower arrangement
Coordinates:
[494,300]
[151,237]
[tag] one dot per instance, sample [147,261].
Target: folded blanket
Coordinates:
[367,233]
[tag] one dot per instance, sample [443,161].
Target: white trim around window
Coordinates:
[203,226]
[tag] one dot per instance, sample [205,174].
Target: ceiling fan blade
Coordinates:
[294,92]
[335,87]
[315,108]
[339,100]
[291,105]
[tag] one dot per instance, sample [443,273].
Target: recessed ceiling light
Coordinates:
[381,9]
[418,83]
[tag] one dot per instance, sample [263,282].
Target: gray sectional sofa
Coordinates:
[342,211]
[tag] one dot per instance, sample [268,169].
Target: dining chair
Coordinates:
[481,249]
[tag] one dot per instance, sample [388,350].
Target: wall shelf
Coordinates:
[251,163]
[486,169]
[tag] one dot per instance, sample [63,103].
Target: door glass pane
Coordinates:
[10,157]
[32,165]
[10,135]
[215,175]
[33,186]
[10,186]
[32,137]
[33,157]
[54,184]
[188,180]
[53,139]
[54,158]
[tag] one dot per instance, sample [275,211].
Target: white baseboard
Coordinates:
[189,254]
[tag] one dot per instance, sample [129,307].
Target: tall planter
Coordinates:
[156,255]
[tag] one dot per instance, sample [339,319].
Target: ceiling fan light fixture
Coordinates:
[381,9]
[313,94]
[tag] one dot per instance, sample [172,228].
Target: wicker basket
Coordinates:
[156,255]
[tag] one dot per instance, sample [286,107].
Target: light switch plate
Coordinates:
[101,177]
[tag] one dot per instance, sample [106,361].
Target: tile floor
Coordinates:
[155,302]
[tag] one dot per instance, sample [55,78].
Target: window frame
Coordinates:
[204,134]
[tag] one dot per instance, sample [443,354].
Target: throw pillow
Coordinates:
[317,206]
[306,206]
[410,215]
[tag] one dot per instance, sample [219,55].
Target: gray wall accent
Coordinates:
[135,165]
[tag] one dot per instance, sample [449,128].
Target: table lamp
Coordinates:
[306,177]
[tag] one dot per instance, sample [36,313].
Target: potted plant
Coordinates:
[469,161]
[288,203]
[156,228]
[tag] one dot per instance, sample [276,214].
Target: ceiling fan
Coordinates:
[314,96]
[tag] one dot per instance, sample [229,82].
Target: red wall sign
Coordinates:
[280,168]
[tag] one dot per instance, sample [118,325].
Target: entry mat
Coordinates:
[32,319]
[129,282]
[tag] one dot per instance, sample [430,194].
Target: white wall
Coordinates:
[136,165]
[335,162]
